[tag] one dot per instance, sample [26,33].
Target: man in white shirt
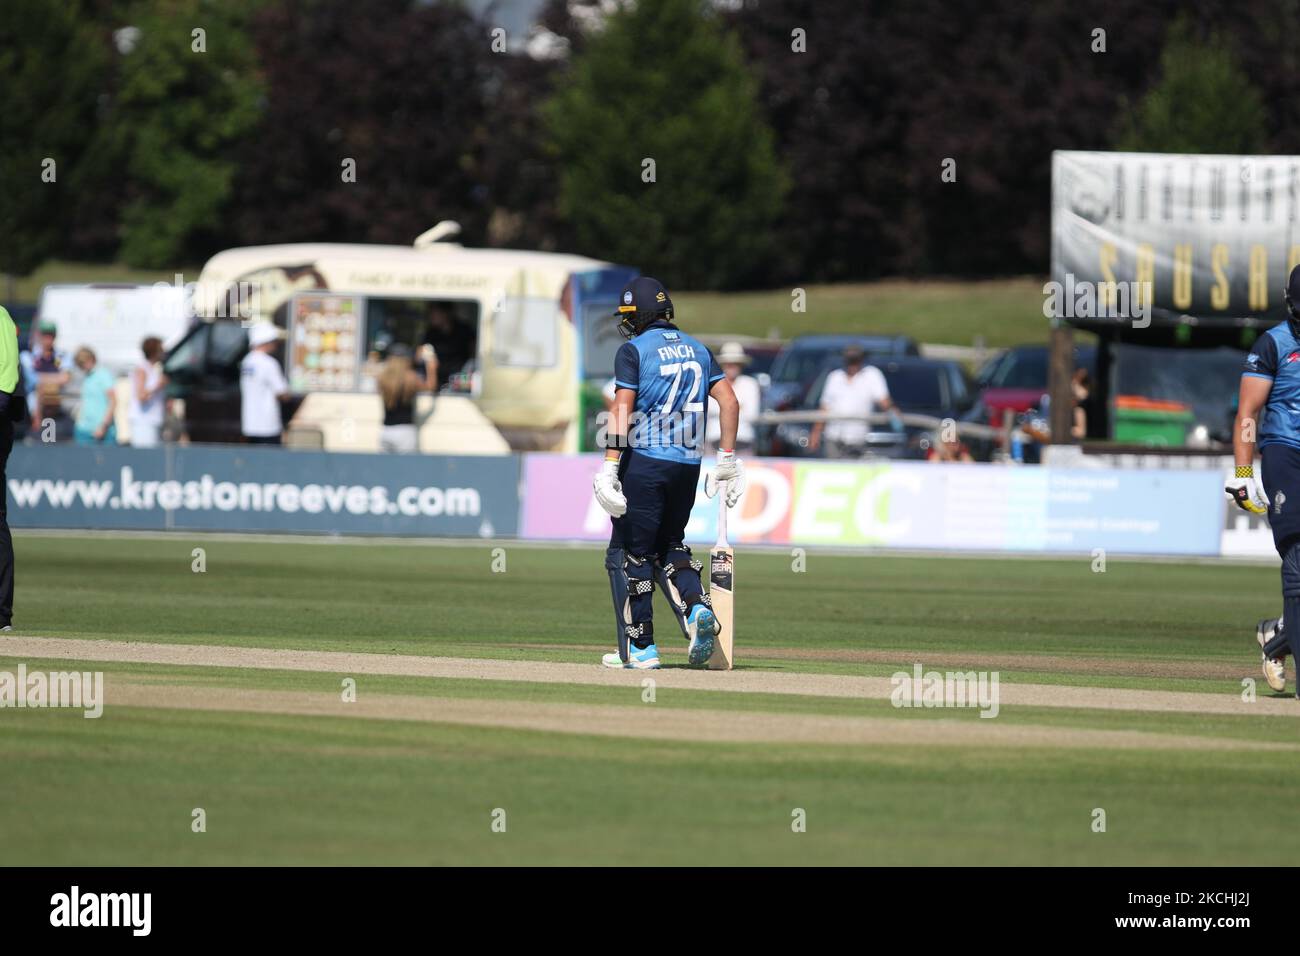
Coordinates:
[732,360]
[858,390]
[261,387]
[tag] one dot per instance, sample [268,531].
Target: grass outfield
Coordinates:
[419,785]
[1000,312]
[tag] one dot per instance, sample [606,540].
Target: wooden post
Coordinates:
[1060,371]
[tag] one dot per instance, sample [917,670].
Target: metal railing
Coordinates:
[927,422]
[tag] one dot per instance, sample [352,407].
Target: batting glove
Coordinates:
[609,490]
[729,471]
[1245,491]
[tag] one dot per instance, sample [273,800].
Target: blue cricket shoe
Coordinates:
[701,627]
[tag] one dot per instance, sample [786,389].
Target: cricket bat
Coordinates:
[722,579]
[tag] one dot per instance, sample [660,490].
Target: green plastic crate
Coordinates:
[1140,426]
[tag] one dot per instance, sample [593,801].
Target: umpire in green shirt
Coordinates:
[13,407]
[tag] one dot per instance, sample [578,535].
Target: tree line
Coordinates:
[723,145]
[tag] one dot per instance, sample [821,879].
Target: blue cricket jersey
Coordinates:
[671,374]
[1276,356]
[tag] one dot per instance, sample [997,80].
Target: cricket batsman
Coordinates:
[663,380]
[1268,413]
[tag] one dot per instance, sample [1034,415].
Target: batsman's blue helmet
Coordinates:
[643,301]
[1293,293]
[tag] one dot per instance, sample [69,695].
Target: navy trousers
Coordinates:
[1281,477]
[660,495]
[646,546]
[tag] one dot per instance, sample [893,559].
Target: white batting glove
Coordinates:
[1245,491]
[609,490]
[729,471]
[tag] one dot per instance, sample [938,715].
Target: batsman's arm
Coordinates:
[728,412]
[606,484]
[1250,401]
[1241,486]
[620,414]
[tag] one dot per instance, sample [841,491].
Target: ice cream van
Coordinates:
[524,341]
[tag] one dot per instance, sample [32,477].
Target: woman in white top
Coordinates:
[732,359]
[148,395]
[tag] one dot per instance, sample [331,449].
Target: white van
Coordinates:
[524,339]
[113,320]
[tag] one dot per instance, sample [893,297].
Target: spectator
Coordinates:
[948,449]
[1081,387]
[1035,424]
[370,369]
[856,390]
[454,341]
[50,370]
[399,381]
[94,425]
[148,395]
[262,387]
[12,409]
[732,359]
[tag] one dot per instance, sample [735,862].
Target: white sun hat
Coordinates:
[733,353]
[261,333]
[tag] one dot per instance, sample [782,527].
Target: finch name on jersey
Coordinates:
[669,352]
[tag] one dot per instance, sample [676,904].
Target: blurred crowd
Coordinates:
[876,397]
[72,396]
[832,396]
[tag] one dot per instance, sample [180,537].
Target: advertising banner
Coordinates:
[1246,535]
[559,505]
[1215,236]
[245,488]
[789,502]
[916,505]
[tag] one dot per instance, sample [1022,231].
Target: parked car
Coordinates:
[935,387]
[1017,380]
[762,357]
[798,365]
[762,353]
